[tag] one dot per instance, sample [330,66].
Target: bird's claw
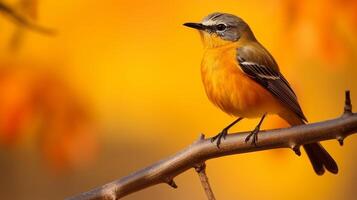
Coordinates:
[254,135]
[219,137]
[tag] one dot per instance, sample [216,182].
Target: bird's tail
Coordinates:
[319,157]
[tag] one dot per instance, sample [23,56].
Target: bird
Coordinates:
[243,79]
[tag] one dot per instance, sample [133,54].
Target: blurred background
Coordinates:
[118,88]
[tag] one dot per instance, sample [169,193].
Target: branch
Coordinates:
[23,21]
[201,171]
[165,170]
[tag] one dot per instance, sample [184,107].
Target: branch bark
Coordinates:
[201,171]
[165,170]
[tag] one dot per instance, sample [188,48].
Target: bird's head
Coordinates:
[219,29]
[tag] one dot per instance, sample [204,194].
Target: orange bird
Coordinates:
[242,78]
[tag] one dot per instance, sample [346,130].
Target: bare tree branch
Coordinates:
[201,171]
[22,20]
[165,170]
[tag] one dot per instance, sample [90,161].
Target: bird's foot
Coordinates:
[219,137]
[253,135]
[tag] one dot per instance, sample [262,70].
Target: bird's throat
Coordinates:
[212,40]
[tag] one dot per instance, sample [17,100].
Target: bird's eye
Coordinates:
[221,27]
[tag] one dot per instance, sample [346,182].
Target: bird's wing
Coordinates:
[265,72]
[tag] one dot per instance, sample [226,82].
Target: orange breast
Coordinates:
[231,89]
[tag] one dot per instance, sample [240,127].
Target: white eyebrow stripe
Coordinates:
[209,23]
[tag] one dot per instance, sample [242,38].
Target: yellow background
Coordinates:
[133,70]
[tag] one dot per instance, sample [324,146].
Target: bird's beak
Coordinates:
[197,26]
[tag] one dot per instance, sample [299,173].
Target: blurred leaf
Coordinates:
[66,132]
[317,34]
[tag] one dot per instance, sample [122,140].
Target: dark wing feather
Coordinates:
[273,81]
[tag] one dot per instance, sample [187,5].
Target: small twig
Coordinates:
[165,170]
[23,21]
[348,105]
[201,171]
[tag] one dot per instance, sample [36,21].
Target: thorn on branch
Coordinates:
[348,105]
[296,149]
[340,140]
[200,138]
[172,183]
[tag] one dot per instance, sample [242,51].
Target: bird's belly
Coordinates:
[234,92]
